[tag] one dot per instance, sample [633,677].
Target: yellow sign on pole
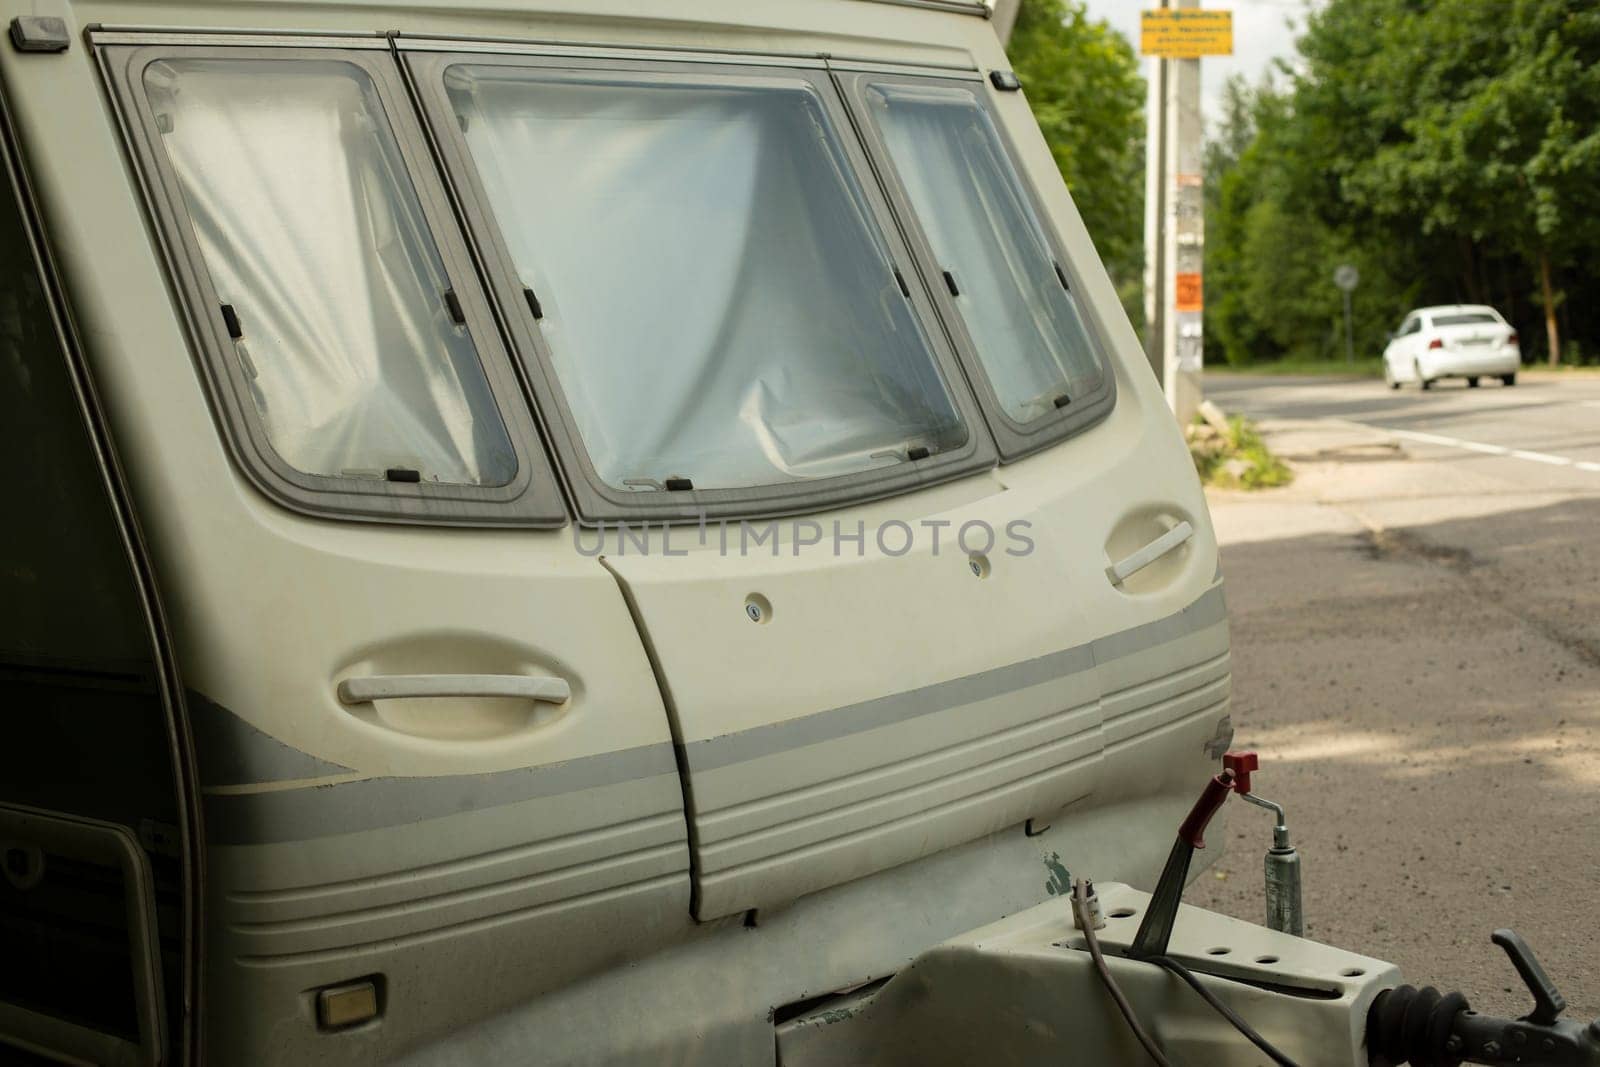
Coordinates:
[1186,33]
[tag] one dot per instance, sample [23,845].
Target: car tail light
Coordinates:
[1511,339]
[1436,343]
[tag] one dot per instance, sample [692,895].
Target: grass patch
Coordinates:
[1367,367]
[1233,455]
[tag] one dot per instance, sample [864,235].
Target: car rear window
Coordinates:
[1465,318]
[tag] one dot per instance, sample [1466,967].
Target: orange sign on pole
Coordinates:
[1190,292]
[1185,33]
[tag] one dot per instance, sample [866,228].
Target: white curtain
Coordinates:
[1027,329]
[311,229]
[718,303]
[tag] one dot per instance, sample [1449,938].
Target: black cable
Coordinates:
[1222,1009]
[1086,921]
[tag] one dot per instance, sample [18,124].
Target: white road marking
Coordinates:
[1541,457]
[1479,446]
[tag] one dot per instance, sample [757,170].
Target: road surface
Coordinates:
[1547,419]
[1416,634]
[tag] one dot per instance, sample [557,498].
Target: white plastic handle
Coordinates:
[1124,569]
[407,686]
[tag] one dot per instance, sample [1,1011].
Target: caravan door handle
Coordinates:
[544,690]
[1132,564]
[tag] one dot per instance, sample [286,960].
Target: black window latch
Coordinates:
[230,319]
[453,303]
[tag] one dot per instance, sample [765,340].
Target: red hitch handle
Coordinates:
[1192,831]
[1241,764]
[1235,777]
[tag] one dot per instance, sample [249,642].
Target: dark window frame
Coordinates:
[1015,439]
[531,498]
[594,500]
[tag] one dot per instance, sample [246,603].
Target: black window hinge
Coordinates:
[402,474]
[678,484]
[1004,80]
[453,302]
[905,290]
[1061,276]
[533,302]
[230,319]
[1062,401]
[39,33]
[916,452]
[950,284]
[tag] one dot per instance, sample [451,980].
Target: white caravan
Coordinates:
[609,532]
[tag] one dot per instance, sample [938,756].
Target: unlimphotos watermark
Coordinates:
[776,537]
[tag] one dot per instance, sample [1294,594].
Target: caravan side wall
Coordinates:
[734,780]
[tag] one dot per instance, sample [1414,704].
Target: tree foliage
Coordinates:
[1450,149]
[1083,83]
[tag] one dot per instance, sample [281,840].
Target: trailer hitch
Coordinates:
[1284,912]
[1156,929]
[1425,1028]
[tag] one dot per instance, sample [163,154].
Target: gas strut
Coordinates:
[1284,912]
[1425,1028]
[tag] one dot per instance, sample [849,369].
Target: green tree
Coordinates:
[1493,104]
[1448,148]
[1082,81]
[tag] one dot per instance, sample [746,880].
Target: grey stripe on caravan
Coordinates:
[714,752]
[297,814]
[232,752]
[371,803]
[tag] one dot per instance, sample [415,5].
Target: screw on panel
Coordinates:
[757,608]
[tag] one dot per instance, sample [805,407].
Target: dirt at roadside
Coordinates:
[1416,656]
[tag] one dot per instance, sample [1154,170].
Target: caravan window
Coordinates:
[315,242]
[1005,281]
[345,341]
[720,306]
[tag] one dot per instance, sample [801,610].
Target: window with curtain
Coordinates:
[314,237]
[1028,330]
[718,301]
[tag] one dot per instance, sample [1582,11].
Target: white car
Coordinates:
[1471,341]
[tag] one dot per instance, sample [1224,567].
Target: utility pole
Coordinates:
[1177,35]
[1155,214]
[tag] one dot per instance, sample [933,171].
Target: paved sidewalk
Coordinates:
[1416,636]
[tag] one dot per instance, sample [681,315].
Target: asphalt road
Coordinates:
[1551,420]
[1416,635]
